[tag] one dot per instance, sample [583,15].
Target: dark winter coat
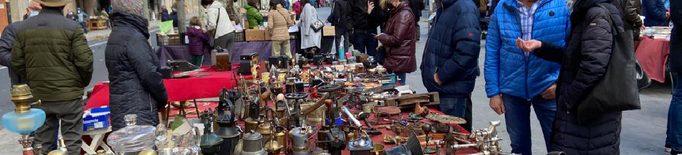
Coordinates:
[174,17]
[378,17]
[359,14]
[136,84]
[584,64]
[6,43]
[341,17]
[400,40]
[52,53]
[197,40]
[676,37]
[165,16]
[453,49]
[654,11]
[417,6]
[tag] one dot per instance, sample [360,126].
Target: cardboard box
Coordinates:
[267,34]
[328,31]
[254,35]
[96,118]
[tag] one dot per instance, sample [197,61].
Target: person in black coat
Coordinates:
[417,6]
[342,20]
[584,62]
[365,25]
[6,43]
[674,133]
[136,84]
[449,65]
[165,16]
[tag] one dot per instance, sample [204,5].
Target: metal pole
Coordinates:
[182,16]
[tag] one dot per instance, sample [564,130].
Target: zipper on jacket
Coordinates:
[525,58]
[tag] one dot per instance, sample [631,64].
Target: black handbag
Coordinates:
[618,90]
[317,26]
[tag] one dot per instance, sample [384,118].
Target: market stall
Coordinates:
[344,107]
[652,55]
[205,84]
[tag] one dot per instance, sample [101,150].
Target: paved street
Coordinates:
[643,130]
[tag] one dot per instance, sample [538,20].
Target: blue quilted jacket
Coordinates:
[507,70]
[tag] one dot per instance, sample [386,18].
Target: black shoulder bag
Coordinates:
[618,90]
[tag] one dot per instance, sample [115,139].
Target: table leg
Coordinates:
[196,107]
[167,113]
[87,149]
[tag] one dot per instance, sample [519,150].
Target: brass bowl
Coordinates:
[378,150]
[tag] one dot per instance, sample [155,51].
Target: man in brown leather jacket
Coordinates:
[630,11]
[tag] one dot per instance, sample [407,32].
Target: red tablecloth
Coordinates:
[652,55]
[178,89]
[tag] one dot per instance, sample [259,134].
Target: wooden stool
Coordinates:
[166,113]
[97,141]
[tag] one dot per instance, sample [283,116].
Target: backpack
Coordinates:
[618,90]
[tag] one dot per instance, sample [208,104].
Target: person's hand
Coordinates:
[529,45]
[550,93]
[667,14]
[497,104]
[370,7]
[376,36]
[519,43]
[435,78]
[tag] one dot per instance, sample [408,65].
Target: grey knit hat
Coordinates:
[135,7]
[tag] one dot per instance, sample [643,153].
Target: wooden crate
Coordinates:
[97,24]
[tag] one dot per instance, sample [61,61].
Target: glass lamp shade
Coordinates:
[24,123]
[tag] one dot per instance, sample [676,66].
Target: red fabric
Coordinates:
[178,89]
[653,55]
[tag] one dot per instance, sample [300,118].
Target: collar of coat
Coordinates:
[51,10]
[512,5]
[133,21]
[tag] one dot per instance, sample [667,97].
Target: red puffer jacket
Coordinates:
[400,40]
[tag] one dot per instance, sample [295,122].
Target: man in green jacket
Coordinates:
[52,53]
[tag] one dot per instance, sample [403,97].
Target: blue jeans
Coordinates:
[459,106]
[453,106]
[402,77]
[85,29]
[517,117]
[674,131]
[365,42]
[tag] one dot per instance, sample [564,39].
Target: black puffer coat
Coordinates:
[584,64]
[136,84]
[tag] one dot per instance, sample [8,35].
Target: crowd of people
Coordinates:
[538,53]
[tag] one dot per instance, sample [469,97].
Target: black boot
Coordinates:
[675,152]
